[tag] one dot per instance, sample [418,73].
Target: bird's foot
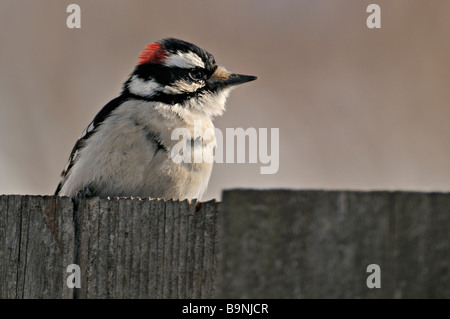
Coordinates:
[198,206]
[84,193]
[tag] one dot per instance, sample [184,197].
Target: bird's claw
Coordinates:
[84,193]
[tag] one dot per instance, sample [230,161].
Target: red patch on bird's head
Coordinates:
[153,53]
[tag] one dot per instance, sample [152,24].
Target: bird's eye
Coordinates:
[196,75]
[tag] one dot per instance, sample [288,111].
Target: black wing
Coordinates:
[88,131]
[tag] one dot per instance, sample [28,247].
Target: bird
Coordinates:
[128,148]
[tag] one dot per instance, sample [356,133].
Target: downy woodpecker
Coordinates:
[126,150]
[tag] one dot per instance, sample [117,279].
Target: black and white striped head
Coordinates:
[180,73]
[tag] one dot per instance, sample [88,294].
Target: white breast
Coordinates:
[120,160]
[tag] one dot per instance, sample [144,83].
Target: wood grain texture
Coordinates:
[146,249]
[36,246]
[256,244]
[317,244]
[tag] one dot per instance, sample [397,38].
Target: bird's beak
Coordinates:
[221,78]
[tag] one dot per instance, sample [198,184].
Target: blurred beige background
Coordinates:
[357,108]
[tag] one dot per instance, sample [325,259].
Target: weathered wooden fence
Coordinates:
[254,244]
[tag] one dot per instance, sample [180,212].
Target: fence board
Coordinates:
[256,244]
[131,249]
[317,244]
[36,246]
